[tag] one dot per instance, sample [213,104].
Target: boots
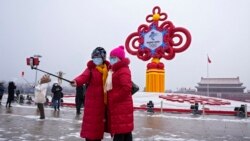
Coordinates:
[8,104]
[78,110]
[41,110]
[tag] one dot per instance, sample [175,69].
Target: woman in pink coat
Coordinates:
[120,103]
[94,76]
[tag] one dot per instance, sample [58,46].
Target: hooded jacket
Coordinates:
[120,103]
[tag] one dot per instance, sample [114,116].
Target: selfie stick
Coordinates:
[52,74]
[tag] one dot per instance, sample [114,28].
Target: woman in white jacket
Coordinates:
[40,94]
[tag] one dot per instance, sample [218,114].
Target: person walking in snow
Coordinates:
[93,122]
[79,99]
[1,92]
[11,93]
[57,95]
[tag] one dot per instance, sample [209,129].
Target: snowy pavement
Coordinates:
[21,122]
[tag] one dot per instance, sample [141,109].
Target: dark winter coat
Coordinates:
[1,89]
[80,91]
[120,103]
[57,92]
[80,95]
[94,110]
[11,91]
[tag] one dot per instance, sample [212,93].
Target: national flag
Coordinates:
[208,59]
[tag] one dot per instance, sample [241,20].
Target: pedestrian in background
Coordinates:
[17,95]
[11,93]
[1,91]
[40,94]
[120,103]
[79,99]
[57,95]
[93,122]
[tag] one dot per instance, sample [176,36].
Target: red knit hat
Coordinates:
[118,52]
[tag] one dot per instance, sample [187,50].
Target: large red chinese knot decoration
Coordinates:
[158,40]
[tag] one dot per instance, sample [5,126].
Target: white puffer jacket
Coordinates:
[40,93]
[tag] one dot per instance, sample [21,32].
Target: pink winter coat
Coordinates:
[120,103]
[94,108]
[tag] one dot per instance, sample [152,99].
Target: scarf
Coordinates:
[109,81]
[104,70]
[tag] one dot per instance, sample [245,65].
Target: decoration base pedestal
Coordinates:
[155,81]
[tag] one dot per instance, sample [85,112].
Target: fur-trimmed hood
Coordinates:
[123,63]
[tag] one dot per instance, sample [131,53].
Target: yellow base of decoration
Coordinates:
[155,81]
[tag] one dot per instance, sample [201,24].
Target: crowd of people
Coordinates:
[11,90]
[103,89]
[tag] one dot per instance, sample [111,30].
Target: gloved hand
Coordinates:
[73,83]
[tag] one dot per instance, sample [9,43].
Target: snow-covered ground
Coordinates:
[142,98]
[21,122]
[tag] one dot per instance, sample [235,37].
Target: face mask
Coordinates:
[113,60]
[97,61]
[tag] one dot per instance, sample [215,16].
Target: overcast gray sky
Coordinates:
[65,32]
